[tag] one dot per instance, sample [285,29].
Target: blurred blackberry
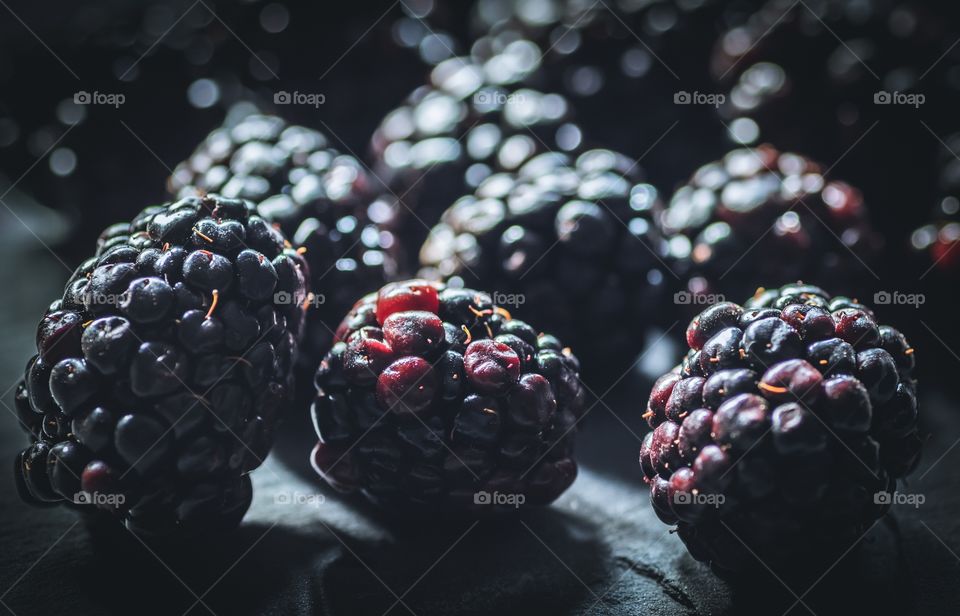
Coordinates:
[933,269]
[315,195]
[467,123]
[938,239]
[162,369]
[572,244]
[759,214]
[178,56]
[638,62]
[433,398]
[783,432]
[874,76]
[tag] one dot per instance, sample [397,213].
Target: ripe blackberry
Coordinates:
[318,197]
[939,237]
[161,370]
[572,243]
[939,243]
[448,136]
[787,420]
[633,61]
[762,214]
[869,74]
[435,398]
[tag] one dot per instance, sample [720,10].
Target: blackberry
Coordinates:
[938,238]
[938,242]
[763,214]
[318,197]
[933,268]
[572,243]
[869,74]
[470,121]
[162,369]
[433,398]
[781,430]
[640,62]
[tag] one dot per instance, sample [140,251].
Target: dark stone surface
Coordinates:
[598,550]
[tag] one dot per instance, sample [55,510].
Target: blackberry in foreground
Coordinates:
[319,198]
[761,214]
[470,121]
[435,398]
[572,243]
[162,369]
[788,421]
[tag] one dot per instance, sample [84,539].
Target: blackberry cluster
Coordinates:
[318,198]
[434,398]
[471,120]
[161,371]
[786,422]
[762,214]
[574,243]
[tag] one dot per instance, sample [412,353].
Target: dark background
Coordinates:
[599,550]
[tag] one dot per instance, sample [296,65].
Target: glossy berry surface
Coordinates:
[161,371]
[434,398]
[762,214]
[319,198]
[573,243]
[787,421]
[470,121]
[865,65]
[634,61]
